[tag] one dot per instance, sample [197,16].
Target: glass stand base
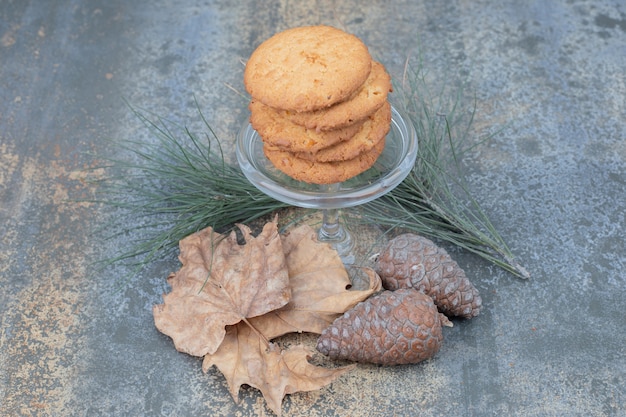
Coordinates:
[337,236]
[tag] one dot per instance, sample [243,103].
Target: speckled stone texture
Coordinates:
[547,80]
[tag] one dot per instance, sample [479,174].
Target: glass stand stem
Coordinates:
[339,238]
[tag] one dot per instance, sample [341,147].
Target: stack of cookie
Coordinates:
[319,103]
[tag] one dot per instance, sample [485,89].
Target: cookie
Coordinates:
[307,68]
[374,129]
[323,172]
[282,133]
[368,99]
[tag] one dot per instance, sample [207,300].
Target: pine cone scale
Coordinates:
[412,261]
[390,328]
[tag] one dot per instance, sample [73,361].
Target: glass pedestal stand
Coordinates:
[390,169]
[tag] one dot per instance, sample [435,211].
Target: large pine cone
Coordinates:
[412,261]
[390,328]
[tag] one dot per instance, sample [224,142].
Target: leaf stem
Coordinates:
[261,336]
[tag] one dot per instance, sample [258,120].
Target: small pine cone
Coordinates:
[390,328]
[412,261]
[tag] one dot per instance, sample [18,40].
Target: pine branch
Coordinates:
[180,184]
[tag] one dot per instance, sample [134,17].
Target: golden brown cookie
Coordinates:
[323,172]
[307,68]
[374,129]
[288,136]
[368,99]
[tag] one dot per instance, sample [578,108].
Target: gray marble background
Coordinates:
[548,79]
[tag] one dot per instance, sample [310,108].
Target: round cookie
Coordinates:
[374,129]
[368,99]
[282,133]
[307,68]
[323,172]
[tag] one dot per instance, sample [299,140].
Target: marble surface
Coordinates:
[548,83]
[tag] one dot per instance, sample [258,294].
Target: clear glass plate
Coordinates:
[391,168]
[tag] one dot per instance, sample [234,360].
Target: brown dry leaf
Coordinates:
[320,293]
[244,358]
[221,283]
[319,287]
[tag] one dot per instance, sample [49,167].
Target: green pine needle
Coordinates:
[181,184]
[434,200]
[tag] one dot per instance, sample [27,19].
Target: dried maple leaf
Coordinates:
[221,283]
[319,287]
[244,358]
[320,293]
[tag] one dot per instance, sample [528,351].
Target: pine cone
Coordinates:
[390,328]
[413,261]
